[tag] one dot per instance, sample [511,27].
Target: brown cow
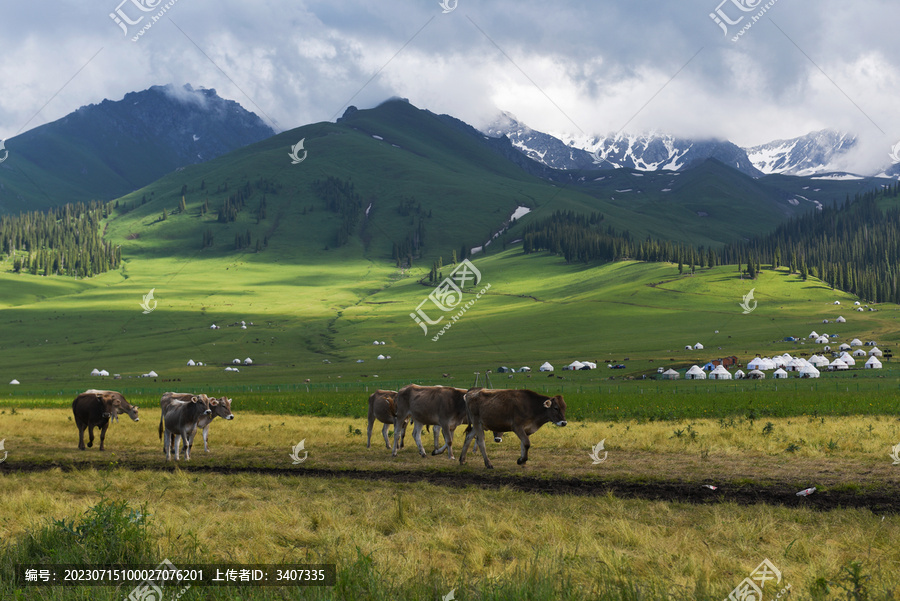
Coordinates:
[429,406]
[382,406]
[94,408]
[521,411]
[180,417]
[220,408]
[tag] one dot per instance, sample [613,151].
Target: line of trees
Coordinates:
[340,197]
[854,247]
[63,240]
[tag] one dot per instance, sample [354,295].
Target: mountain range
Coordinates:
[103,151]
[816,153]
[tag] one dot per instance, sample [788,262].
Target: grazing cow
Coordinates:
[220,408]
[429,406]
[179,418]
[94,408]
[382,406]
[521,411]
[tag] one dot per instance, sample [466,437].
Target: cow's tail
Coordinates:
[469,418]
[160,428]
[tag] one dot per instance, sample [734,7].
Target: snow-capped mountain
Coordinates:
[650,152]
[807,155]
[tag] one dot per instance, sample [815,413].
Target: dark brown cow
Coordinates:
[179,418]
[382,406]
[430,406]
[521,411]
[94,408]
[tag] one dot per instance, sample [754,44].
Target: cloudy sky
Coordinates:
[579,67]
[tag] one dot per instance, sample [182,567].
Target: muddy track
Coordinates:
[777,493]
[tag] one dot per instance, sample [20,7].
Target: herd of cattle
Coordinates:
[445,408]
[442,408]
[182,414]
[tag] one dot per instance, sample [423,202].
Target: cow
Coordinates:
[220,408]
[520,411]
[429,406]
[94,408]
[382,406]
[179,418]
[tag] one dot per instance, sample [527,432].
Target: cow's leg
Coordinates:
[526,444]
[205,438]
[417,436]
[437,440]
[187,446]
[470,434]
[448,440]
[90,435]
[398,424]
[384,433]
[103,433]
[479,440]
[369,432]
[168,441]
[402,432]
[81,427]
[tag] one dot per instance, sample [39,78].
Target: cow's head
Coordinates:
[115,404]
[205,401]
[221,407]
[556,410]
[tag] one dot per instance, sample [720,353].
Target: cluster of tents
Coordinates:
[782,364]
[547,366]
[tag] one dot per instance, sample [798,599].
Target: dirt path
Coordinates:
[884,499]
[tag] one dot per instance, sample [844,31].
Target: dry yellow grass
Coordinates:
[410,529]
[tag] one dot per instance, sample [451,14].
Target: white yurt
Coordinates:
[375,342]
[779,361]
[236,361]
[856,342]
[720,373]
[670,374]
[824,321]
[813,334]
[695,373]
[795,364]
[248,361]
[588,365]
[837,365]
[859,309]
[875,352]
[95,372]
[688,347]
[873,363]
[844,347]
[756,375]
[809,371]
[821,340]
[739,375]
[698,347]
[757,363]
[573,366]
[826,349]
[152,374]
[779,374]
[191,362]
[856,303]
[380,357]
[837,302]
[229,369]
[846,358]
[840,319]
[546,367]
[14,382]
[213,327]
[859,353]
[524,370]
[104,373]
[818,361]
